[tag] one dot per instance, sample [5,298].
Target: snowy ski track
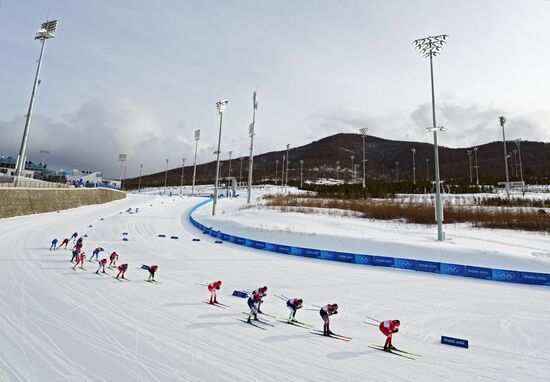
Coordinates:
[63,325]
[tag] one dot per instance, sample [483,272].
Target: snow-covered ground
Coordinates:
[328,230]
[60,325]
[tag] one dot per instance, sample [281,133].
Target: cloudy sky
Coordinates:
[138,77]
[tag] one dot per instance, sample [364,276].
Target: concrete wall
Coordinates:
[28,201]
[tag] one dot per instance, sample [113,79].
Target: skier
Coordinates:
[388,328]
[122,270]
[293,305]
[253,303]
[80,260]
[260,292]
[74,236]
[80,240]
[112,259]
[54,244]
[325,312]
[65,242]
[96,253]
[101,265]
[75,255]
[212,288]
[152,269]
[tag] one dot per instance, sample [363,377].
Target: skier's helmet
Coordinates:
[396,322]
[335,306]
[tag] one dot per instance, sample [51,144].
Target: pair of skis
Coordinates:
[398,352]
[218,304]
[256,322]
[332,335]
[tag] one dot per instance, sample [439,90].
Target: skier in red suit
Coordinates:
[388,328]
[212,288]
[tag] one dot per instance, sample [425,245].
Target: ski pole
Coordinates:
[281,297]
[369,323]
[317,306]
[374,319]
[201,284]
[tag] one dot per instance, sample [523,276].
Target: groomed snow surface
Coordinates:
[63,325]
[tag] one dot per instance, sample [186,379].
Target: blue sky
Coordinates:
[138,77]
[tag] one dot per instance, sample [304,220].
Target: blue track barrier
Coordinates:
[502,275]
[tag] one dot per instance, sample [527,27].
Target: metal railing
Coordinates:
[30,183]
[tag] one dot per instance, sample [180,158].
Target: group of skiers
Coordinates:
[79,257]
[255,299]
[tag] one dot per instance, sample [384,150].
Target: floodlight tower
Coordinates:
[413,151]
[197,138]
[44,154]
[241,171]
[251,134]
[276,168]
[139,181]
[352,173]
[470,164]
[229,172]
[220,107]
[47,30]
[502,121]
[518,142]
[430,47]
[338,170]
[166,176]
[476,166]
[301,172]
[397,171]
[121,158]
[363,132]
[287,160]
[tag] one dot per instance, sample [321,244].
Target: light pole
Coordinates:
[139,181]
[230,153]
[220,107]
[46,31]
[301,172]
[338,171]
[518,141]
[397,171]
[251,134]
[476,166]
[413,151]
[197,137]
[276,168]
[241,171]
[351,168]
[470,164]
[515,166]
[121,158]
[287,160]
[283,172]
[430,47]
[182,167]
[125,174]
[165,176]
[502,121]
[363,132]
[44,153]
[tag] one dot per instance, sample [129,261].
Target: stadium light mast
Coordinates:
[197,138]
[363,132]
[301,172]
[241,171]
[470,164]
[283,172]
[47,30]
[121,158]
[139,181]
[251,134]
[220,107]
[287,160]
[476,166]
[338,170]
[518,141]
[166,176]
[44,154]
[397,171]
[502,121]
[351,168]
[276,168]
[427,169]
[430,47]
[229,172]
[413,151]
